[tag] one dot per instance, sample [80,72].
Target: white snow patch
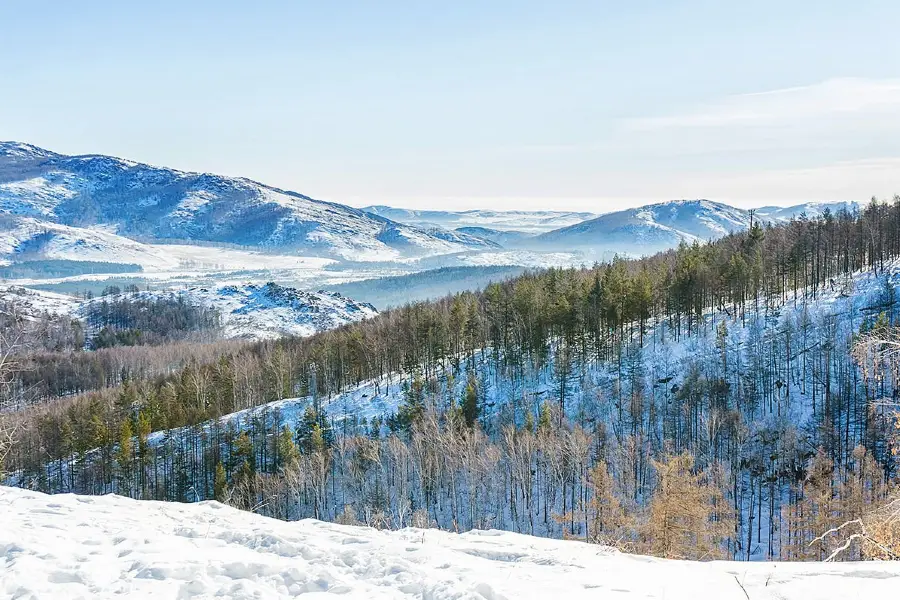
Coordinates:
[36,196]
[192,202]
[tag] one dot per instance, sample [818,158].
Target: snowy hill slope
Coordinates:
[24,238]
[837,311]
[248,311]
[110,547]
[655,227]
[650,228]
[506,238]
[145,202]
[30,303]
[253,311]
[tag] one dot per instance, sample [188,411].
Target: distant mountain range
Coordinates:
[529,222]
[101,208]
[656,227]
[641,230]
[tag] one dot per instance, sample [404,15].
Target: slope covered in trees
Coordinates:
[701,402]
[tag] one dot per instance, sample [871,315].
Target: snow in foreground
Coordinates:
[70,546]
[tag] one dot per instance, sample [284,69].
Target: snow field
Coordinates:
[69,546]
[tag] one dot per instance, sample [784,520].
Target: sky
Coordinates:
[562,105]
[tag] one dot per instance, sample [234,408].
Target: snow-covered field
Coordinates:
[67,546]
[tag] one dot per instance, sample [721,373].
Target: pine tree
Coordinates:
[287,449]
[413,406]
[470,407]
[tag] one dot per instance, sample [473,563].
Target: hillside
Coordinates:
[247,311]
[68,546]
[687,366]
[146,203]
[648,229]
[252,311]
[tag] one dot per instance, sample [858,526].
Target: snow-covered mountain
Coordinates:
[30,238]
[105,209]
[655,227]
[525,221]
[651,228]
[69,546]
[507,238]
[146,203]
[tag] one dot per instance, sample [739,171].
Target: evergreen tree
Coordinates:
[470,405]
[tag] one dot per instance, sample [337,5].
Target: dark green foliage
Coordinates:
[313,432]
[470,405]
[412,408]
[42,269]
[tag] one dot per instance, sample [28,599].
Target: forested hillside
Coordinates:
[708,401]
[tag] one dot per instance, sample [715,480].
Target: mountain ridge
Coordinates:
[146,202]
[654,227]
[72,205]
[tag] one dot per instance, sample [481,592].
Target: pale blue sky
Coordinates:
[503,104]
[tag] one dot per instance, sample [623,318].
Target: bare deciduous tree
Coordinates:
[876,533]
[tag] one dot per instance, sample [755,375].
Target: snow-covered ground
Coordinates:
[31,303]
[253,311]
[67,546]
[524,258]
[247,310]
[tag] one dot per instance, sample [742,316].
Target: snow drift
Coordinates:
[70,546]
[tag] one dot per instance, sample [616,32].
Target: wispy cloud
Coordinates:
[834,98]
[834,140]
